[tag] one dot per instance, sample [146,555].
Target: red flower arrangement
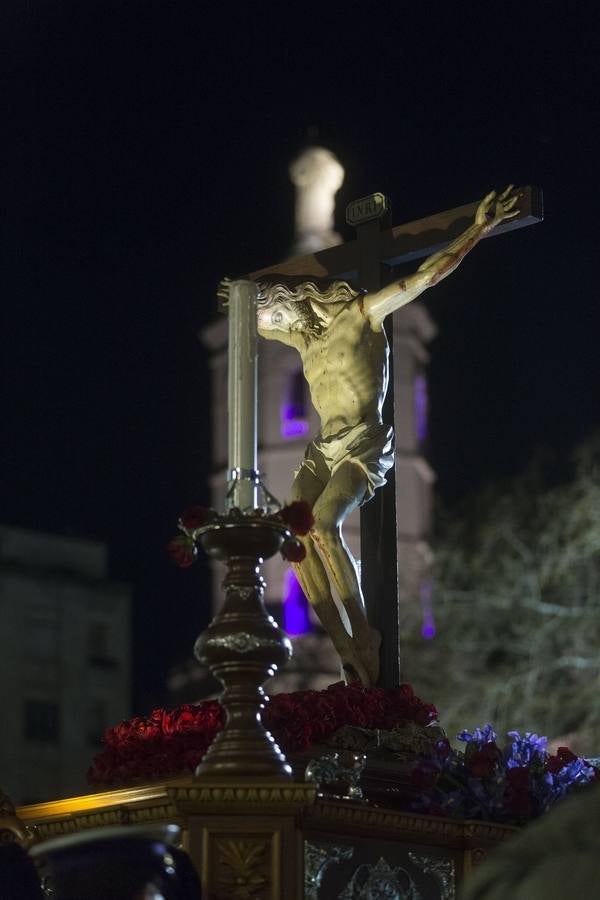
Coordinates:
[293,550]
[483,762]
[297,518]
[194,517]
[171,742]
[563,758]
[182,551]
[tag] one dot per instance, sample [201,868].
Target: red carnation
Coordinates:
[195,517]
[425,714]
[554,765]
[182,551]
[518,797]
[482,763]
[293,551]
[563,757]
[298,517]
[518,778]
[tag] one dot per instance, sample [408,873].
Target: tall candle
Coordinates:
[241,395]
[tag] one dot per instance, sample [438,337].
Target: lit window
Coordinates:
[296,618]
[421,407]
[41,721]
[294,421]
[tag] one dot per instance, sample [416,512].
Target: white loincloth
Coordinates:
[369,446]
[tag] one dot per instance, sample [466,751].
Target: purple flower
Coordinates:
[513,785]
[576,772]
[525,750]
[482,737]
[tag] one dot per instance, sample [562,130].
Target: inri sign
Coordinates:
[371,207]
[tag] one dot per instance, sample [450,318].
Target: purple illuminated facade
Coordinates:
[292,425]
[296,619]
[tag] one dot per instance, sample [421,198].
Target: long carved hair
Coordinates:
[298,290]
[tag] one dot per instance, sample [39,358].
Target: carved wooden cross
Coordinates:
[367,261]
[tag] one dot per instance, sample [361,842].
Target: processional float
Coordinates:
[251,822]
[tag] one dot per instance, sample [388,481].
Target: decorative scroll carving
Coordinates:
[340,775]
[445,832]
[380,882]
[259,795]
[130,815]
[442,869]
[12,828]
[242,868]
[243,642]
[318,857]
[244,592]
[405,741]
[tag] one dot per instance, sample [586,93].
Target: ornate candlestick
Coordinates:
[243,646]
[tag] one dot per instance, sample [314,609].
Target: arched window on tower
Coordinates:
[421,407]
[294,405]
[296,618]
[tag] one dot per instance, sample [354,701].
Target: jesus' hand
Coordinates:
[223,293]
[493,209]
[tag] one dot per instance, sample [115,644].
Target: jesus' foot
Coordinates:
[361,663]
[354,669]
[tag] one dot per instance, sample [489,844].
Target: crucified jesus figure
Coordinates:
[338,333]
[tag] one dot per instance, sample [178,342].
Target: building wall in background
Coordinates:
[65,650]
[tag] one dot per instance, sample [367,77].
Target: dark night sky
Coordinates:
[145,151]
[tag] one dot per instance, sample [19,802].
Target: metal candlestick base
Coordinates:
[242,647]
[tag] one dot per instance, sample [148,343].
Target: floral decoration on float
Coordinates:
[172,742]
[512,784]
[295,518]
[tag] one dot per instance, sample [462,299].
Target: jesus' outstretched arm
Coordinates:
[492,210]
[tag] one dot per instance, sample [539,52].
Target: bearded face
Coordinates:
[285,306]
[282,315]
